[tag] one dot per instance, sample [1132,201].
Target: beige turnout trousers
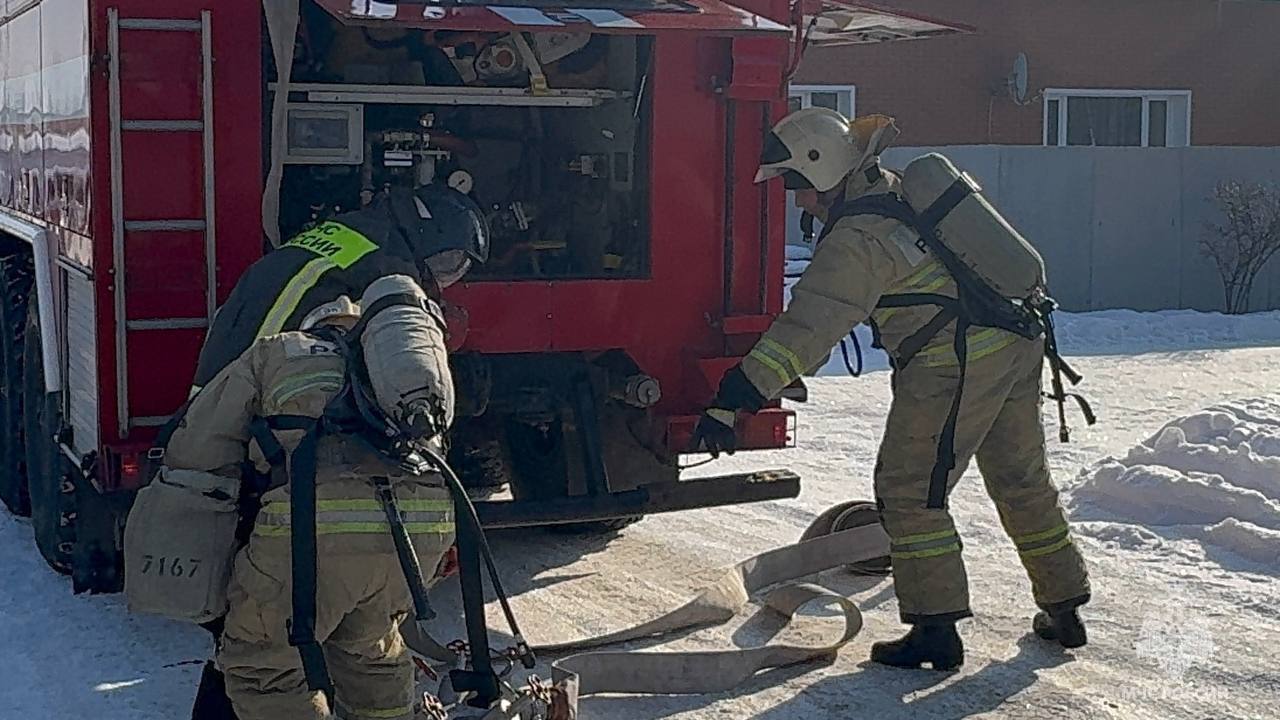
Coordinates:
[361,599]
[1000,423]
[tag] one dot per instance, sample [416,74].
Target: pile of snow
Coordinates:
[1213,475]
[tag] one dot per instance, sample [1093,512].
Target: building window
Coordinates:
[1117,118]
[840,98]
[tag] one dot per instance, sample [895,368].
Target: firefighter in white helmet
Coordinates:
[315,407]
[861,262]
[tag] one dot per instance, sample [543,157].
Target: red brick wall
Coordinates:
[1227,52]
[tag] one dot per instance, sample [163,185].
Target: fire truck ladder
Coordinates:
[121,224]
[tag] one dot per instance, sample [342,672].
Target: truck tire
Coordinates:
[540,470]
[15,288]
[482,465]
[48,471]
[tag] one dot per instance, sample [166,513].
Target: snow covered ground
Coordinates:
[1175,495]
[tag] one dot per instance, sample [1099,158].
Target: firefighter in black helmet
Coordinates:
[433,233]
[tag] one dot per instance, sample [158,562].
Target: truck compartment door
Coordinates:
[601,16]
[844,22]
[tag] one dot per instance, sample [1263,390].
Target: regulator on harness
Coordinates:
[1000,282]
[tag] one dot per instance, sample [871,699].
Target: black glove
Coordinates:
[715,432]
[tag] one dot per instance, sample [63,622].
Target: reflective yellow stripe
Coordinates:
[772,364]
[292,386]
[924,537]
[882,316]
[357,528]
[981,344]
[283,507]
[334,242]
[925,273]
[292,294]
[933,276]
[1036,537]
[996,345]
[785,352]
[918,554]
[930,287]
[1037,552]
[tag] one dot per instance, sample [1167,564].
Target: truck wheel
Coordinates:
[15,287]
[540,470]
[48,475]
[478,454]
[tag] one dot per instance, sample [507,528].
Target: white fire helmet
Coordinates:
[341,311]
[817,148]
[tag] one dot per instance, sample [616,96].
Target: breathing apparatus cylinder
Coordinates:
[973,230]
[405,354]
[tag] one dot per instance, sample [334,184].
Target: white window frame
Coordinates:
[1061,95]
[806,95]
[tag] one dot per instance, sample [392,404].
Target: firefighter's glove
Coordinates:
[715,430]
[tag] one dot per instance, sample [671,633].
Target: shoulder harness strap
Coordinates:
[301,464]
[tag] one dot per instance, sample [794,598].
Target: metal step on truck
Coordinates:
[150,150]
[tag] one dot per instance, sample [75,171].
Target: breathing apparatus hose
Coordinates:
[527,657]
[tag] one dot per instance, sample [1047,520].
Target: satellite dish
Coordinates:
[1018,79]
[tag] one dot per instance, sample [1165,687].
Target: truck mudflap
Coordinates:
[781,571]
[645,500]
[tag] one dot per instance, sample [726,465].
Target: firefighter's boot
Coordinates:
[936,644]
[1064,626]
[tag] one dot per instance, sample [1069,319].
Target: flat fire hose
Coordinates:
[644,672]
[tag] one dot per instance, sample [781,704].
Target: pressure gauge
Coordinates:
[461,181]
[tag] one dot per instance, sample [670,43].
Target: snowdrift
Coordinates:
[1213,475]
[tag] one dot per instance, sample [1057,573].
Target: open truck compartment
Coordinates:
[548,132]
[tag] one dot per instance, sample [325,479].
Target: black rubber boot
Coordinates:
[936,644]
[1064,626]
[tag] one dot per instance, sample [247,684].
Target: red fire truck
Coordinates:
[150,150]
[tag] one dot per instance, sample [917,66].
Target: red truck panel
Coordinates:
[671,319]
[162,178]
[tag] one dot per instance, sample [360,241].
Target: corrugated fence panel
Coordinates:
[1118,227]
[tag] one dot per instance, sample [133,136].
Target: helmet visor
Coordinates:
[793,180]
[449,267]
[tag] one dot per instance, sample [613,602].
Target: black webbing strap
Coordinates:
[916,341]
[883,204]
[386,301]
[948,310]
[946,458]
[946,202]
[301,464]
[480,679]
[302,521]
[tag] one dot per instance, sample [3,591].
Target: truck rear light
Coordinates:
[766,430]
[130,469]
